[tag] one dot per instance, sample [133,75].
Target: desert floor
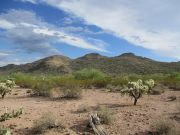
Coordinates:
[128,119]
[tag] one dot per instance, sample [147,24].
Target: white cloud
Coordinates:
[71,40]
[31,34]
[4,54]
[31,1]
[28,25]
[16,61]
[153,24]
[4,24]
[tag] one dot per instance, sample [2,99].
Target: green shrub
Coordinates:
[105,115]
[86,74]
[72,90]
[119,80]
[24,80]
[91,77]
[42,88]
[172,81]
[100,82]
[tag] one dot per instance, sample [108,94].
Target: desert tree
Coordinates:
[137,89]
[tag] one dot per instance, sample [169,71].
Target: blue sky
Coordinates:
[33,29]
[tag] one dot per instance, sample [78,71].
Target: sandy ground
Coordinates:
[128,119]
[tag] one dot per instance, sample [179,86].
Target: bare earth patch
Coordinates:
[128,119]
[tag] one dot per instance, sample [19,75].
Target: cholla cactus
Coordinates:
[150,83]
[135,90]
[4,131]
[6,87]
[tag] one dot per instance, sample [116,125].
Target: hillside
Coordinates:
[125,63]
[52,64]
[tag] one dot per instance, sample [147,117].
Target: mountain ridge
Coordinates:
[124,63]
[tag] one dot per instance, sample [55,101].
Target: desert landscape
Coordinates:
[62,104]
[127,119]
[89,67]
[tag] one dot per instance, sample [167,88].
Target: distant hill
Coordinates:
[125,63]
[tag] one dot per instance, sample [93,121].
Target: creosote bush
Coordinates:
[86,74]
[105,115]
[72,90]
[172,81]
[91,77]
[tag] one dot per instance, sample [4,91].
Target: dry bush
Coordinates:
[178,107]
[29,91]
[114,88]
[157,90]
[171,98]
[46,122]
[165,127]
[72,90]
[105,115]
[83,108]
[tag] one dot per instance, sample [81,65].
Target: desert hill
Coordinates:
[125,63]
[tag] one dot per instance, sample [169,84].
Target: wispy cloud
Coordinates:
[4,55]
[30,33]
[31,1]
[6,25]
[150,24]
[71,40]
[17,61]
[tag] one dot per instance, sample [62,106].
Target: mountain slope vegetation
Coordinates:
[123,64]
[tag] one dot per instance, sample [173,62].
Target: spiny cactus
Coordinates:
[4,131]
[6,87]
[137,89]
[150,83]
[12,114]
[10,83]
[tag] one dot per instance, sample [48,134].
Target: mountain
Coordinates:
[125,63]
[52,64]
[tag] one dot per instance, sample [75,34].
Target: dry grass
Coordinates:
[165,127]
[45,122]
[72,91]
[105,115]
[83,108]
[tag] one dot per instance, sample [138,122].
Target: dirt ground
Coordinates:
[128,119]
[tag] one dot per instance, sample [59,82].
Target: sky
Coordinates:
[34,29]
